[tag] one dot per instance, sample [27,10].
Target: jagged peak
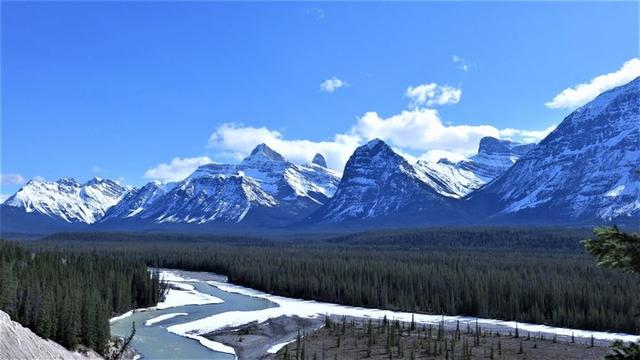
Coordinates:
[213,169]
[153,184]
[491,145]
[97,180]
[36,180]
[69,181]
[263,152]
[374,143]
[319,160]
[372,148]
[442,161]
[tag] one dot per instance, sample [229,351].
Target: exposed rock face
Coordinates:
[379,186]
[586,170]
[68,200]
[18,342]
[263,189]
[457,179]
[319,160]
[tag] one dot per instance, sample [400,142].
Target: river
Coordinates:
[181,336]
[155,342]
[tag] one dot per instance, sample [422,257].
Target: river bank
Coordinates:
[249,322]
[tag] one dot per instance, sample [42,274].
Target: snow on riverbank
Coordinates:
[164,317]
[119,317]
[178,294]
[186,296]
[307,308]
[275,348]
[172,276]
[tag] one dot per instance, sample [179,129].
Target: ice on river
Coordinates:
[308,308]
[164,317]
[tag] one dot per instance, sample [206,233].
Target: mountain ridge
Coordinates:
[586,171]
[457,179]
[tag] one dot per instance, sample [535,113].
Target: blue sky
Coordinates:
[150,90]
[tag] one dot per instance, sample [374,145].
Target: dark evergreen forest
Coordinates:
[69,297]
[539,276]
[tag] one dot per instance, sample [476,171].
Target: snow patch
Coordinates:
[164,317]
[310,308]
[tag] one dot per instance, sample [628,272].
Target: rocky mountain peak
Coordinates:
[373,147]
[263,152]
[582,171]
[491,145]
[319,160]
[66,182]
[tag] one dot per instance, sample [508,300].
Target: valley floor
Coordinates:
[354,342]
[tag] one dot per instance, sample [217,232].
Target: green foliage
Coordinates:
[615,249]
[523,283]
[69,297]
[622,351]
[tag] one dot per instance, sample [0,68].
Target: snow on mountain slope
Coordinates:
[460,178]
[137,200]
[263,183]
[285,180]
[587,169]
[68,200]
[206,198]
[380,184]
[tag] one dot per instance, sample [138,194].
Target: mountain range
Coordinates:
[584,172]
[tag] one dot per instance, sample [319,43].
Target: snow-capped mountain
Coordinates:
[263,188]
[137,200]
[68,200]
[586,170]
[380,186]
[457,179]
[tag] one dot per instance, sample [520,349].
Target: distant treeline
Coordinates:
[69,297]
[481,238]
[554,287]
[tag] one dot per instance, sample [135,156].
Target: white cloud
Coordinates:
[460,62]
[3,198]
[583,93]
[39,178]
[332,84]
[177,169]
[418,131]
[526,136]
[12,179]
[422,129]
[433,94]
[97,168]
[236,141]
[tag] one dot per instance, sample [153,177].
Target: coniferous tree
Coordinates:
[66,296]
